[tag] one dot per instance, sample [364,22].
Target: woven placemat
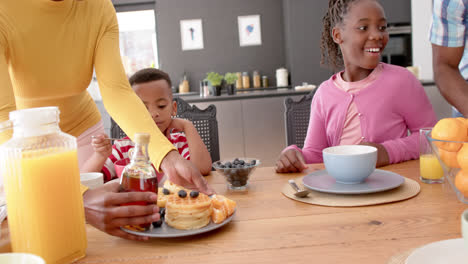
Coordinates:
[400,258]
[408,189]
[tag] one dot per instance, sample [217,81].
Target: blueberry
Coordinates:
[166,191]
[222,166]
[228,164]
[235,162]
[158,223]
[162,211]
[236,159]
[241,162]
[194,194]
[253,162]
[182,194]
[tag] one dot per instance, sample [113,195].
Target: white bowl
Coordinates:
[92,179]
[350,164]
[20,258]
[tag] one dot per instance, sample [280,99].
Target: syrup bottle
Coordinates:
[139,175]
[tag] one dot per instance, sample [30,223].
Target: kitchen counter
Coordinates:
[244,94]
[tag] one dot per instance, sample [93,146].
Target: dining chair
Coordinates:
[204,121]
[296,117]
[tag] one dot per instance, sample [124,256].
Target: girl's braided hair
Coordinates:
[331,53]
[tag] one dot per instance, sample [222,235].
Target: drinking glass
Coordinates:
[429,166]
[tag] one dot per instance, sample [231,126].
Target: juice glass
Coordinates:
[429,166]
[42,182]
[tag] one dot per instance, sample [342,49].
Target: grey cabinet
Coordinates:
[397,11]
[251,128]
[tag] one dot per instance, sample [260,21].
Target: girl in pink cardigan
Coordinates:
[369,103]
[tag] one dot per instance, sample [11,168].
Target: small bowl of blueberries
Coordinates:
[236,171]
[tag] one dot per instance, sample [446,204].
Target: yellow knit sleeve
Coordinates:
[7,98]
[119,99]
[83,189]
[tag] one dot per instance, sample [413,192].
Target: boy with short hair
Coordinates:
[153,86]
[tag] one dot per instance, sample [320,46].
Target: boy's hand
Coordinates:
[177,125]
[102,145]
[290,160]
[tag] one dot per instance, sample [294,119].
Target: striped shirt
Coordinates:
[449,27]
[121,147]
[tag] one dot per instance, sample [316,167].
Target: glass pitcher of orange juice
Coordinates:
[39,166]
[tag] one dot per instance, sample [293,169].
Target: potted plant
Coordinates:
[216,81]
[230,79]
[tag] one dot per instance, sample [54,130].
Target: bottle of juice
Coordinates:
[39,165]
[139,175]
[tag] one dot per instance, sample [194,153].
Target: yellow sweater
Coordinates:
[47,53]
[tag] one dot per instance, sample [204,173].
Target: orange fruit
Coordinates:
[218,215]
[462,157]
[449,158]
[464,120]
[461,182]
[451,129]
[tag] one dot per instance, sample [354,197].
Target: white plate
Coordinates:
[165,231]
[378,181]
[452,251]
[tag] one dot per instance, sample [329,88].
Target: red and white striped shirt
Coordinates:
[121,147]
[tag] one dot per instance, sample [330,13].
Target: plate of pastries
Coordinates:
[185,212]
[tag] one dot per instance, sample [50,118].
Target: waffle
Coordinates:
[188,213]
[174,188]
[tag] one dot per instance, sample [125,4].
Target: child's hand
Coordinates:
[382,154]
[101,145]
[177,125]
[290,160]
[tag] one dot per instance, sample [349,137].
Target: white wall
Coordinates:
[421,12]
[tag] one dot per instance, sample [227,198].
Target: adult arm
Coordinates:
[448,37]
[7,98]
[448,78]
[131,114]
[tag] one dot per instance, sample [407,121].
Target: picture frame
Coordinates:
[191,33]
[250,32]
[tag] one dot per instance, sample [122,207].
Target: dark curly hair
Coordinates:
[149,75]
[331,53]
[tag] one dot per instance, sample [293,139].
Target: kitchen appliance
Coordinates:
[398,50]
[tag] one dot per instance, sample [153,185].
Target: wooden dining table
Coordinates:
[271,228]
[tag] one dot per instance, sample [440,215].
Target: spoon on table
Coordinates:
[299,193]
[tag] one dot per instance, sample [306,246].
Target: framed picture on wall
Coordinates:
[250,33]
[191,32]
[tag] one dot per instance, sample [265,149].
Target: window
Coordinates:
[138,45]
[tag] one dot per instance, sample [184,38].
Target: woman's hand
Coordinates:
[382,154]
[183,172]
[104,211]
[290,160]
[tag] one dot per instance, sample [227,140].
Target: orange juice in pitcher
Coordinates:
[39,166]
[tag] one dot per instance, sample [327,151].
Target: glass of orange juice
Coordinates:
[430,169]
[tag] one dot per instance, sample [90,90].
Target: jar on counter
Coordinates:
[264,81]
[256,80]
[245,80]
[239,81]
[282,77]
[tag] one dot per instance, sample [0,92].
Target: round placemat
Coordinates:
[408,189]
[400,258]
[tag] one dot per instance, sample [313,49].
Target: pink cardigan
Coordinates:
[393,104]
